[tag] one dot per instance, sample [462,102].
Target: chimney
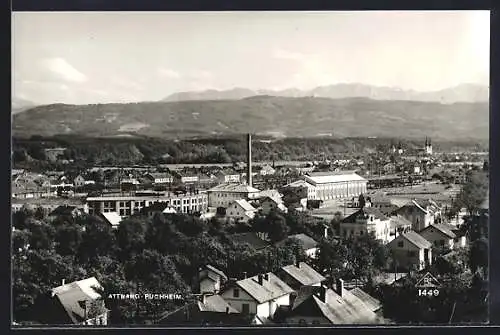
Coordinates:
[244,275]
[203,298]
[259,279]
[322,293]
[227,310]
[266,276]
[63,282]
[249,160]
[340,287]
[297,263]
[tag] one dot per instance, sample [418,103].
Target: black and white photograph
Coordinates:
[249,169]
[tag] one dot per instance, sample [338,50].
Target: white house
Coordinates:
[367,220]
[260,295]
[211,279]
[79,181]
[113,218]
[240,210]
[334,185]
[309,244]
[410,250]
[267,170]
[224,194]
[442,235]
[420,213]
[227,176]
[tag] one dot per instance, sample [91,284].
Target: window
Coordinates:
[137,204]
[122,212]
[400,244]
[122,204]
[441,242]
[360,232]
[371,218]
[236,293]
[245,308]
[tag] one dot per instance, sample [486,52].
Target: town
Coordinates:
[335,241]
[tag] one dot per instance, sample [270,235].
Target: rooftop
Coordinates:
[245,205]
[304,274]
[234,187]
[250,238]
[416,239]
[271,288]
[333,177]
[305,241]
[445,229]
[362,212]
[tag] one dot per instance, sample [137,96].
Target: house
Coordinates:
[240,210]
[421,214]
[267,170]
[155,208]
[300,274]
[399,225]
[367,220]
[75,303]
[260,295]
[228,176]
[112,218]
[251,239]
[79,181]
[65,211]
[410,250]
[211,279]
[309,244]
[159,178]
[187,178]
[224,194]
[442,235]
[208,310]
[272,203]
[319,305]
[389,168]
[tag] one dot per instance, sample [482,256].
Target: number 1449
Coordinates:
[428,293]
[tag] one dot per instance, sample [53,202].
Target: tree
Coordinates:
[131,237]
[277,228]
[362,201]
[42,235]
[68,238]
[98,239]
[474,191]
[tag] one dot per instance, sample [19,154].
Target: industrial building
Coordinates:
[334,185]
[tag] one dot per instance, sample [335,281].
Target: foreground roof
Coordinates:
[304,274]
[443,229]
[113,218]
[270,289]
[416,239]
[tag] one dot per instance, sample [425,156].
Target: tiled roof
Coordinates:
[63,210]
[245,205]
[365,211]
[250,238]
[442,228]
[399,221]
[345,309]
[159,175]
[307,242]
[234,187]
[304,274]
[217,271]
[370,301]
[72,295]
[417,240]
[113,218]
[333,177]
[270,289]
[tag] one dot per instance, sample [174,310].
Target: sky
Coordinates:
[101,57]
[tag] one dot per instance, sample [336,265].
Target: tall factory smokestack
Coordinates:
[249,160]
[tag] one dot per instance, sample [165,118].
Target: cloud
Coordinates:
[168,73]
[126,83]
[64,70]
[279,53]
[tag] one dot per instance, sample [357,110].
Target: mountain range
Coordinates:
[264,115]
[460,93]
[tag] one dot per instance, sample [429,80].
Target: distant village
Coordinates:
[405,200]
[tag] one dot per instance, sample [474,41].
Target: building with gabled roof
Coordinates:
[334,185]
[76,303]
[420,213]
[208,310]
[319,305]
[307,243]
[410,250]
[442,235]
[252,239]
[159,178]
[260,294]
[300,274]
[211,279]
[269,204]
[367,220]
[112,218]
[224,194]
[240,210]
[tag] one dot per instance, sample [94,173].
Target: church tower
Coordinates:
[428,146]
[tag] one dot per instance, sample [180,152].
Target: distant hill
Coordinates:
[266,115]
[460,93]
[20,105]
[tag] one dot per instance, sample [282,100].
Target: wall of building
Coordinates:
[405,259]
[237,302]
[339,190]
[437,238]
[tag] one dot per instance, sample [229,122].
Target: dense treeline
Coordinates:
[137,150]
